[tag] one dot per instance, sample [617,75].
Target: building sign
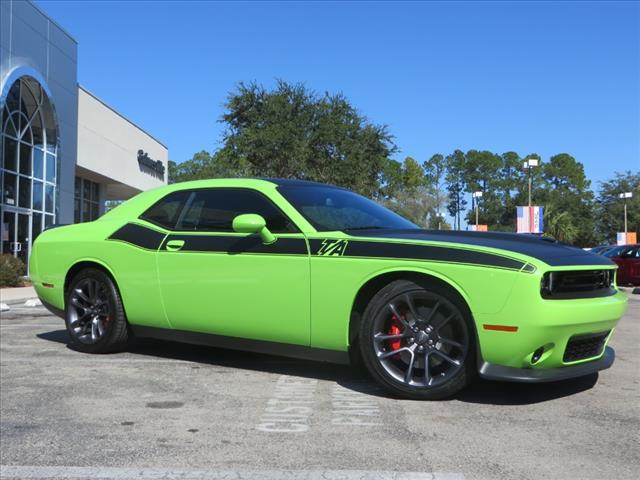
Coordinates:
[530,220]
[156,166]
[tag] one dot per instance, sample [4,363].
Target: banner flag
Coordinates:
[530,220]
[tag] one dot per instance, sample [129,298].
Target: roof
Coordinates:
[294,182]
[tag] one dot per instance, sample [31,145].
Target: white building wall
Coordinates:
[108,146]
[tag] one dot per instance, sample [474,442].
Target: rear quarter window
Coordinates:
[165,212]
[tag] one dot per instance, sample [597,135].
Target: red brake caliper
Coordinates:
[395,330]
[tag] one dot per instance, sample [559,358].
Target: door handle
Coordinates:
[174,245]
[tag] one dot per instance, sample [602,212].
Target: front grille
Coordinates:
[577,284]
[580,347]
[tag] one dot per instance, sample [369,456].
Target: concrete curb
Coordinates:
[26,302]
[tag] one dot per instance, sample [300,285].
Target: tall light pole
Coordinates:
[476,196]
[625,195]
[528,165]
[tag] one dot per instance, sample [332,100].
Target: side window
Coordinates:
[165,212]
[628,253]
[213,210]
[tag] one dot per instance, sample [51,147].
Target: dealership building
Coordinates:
[64,151]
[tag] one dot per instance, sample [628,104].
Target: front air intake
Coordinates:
[581,347]
[577,284]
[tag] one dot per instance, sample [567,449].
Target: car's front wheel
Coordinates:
[94,314]
[417,342]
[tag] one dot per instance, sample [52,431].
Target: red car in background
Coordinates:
[628,259]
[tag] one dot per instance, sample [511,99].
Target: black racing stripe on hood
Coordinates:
[373,249]
[547,250]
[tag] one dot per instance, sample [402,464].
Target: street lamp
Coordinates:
[476,196]
[625,195]
[528,165]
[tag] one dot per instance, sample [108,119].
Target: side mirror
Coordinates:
[253,223]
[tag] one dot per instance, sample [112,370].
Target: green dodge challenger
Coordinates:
[314,271]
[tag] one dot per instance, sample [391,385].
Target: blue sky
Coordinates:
[531,77]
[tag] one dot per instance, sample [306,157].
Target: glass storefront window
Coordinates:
[94,192]
[49,198]
[24,192]
[9,189]
[38,133]
[95,211]
[27,137]
[29,156]
[86,189]
[38,163]
[10,154]
[9,129]
[37,195]
[16,120]
[87,200]
[51,168]
[86,211]
[76,210]
[25,159]
[37,226]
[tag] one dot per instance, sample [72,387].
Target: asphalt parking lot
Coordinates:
[166,410]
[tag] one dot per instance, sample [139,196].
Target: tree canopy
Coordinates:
[610,208]
[293,132]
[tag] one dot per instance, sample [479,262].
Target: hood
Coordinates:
[545,249]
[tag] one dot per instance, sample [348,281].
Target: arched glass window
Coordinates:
[29,165]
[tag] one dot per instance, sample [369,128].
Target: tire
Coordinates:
[406,326]
[94,314]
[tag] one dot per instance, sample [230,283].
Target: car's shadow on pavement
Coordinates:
[352,378]
[511,393]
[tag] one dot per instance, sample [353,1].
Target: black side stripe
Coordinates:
[235,245]
[139,236]
[151,239]
[358,248]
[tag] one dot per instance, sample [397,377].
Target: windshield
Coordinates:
[614,252]
[331,208]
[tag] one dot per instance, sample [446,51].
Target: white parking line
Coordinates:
[41,473]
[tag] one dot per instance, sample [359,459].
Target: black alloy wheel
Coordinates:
[94,313]
[417,342]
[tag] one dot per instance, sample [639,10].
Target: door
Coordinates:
[214,280]
[16,233]
[629,267]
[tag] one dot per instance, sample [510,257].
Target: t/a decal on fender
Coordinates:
[410,251]
[332,248]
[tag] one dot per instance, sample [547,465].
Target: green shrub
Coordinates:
[11,271]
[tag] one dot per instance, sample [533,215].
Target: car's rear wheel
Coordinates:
[417,342]
[94,314]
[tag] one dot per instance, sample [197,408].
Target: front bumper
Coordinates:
[534,323]
[491,371]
